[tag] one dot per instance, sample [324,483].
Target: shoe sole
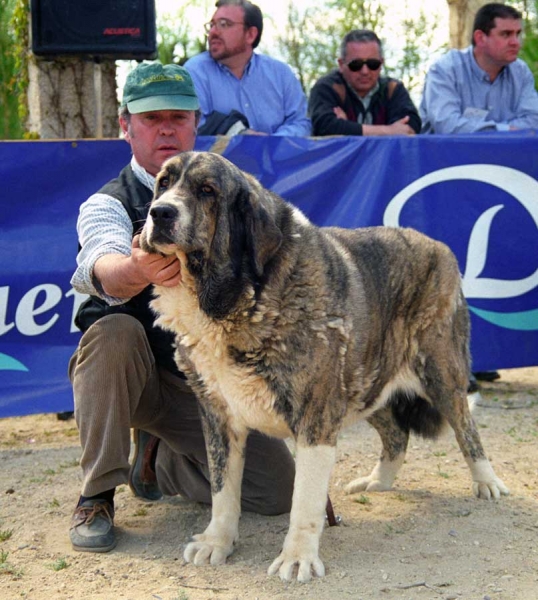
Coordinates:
[99,549]
[136,493]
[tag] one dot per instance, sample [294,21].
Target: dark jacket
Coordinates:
[389,104]
[135,198]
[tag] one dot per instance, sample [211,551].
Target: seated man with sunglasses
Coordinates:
[355,100]
[234,83]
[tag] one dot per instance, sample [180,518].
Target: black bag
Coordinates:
[218,123]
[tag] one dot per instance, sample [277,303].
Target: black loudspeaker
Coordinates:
[107,28]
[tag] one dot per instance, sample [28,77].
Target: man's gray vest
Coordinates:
[135,198]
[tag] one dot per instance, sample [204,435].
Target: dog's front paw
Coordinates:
[367,484]
[493,488]
[289,563]
[207,550]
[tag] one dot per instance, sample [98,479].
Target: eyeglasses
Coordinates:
[357,64]
[221,24]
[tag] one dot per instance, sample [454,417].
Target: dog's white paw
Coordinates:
[494,488]
[289,563]
[207,550]
[367,484]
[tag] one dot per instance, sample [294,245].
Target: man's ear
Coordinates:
[251,34]
[124,128]
[478,37]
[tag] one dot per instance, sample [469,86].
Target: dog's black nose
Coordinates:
[163,214]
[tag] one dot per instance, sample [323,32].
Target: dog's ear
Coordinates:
[263,234]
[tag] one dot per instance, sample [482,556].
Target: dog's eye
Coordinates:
[207,190]
[164,182]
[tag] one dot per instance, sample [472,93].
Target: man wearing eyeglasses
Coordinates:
[356,100]
[230,76]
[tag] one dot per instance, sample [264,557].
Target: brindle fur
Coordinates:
[297,330]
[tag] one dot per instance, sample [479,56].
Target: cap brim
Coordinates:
[172,102]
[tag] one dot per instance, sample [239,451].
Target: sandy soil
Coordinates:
[428,538]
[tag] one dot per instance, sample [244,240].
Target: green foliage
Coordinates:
[175,39]
[418,36]
[529,49]
[358,14]
[59,564]
[10,74]
[6,568]
[311,41]
[5,534]
[309,44]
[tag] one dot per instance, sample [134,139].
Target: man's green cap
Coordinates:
[153,86]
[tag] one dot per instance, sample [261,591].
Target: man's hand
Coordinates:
[126,276]
[340,114]
[156,268]
[253,132]
[400,127]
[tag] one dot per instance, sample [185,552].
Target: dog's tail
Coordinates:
[414,413]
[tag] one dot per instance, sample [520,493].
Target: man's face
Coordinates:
[502,45]
[233,39]
[363,80]
[157,135]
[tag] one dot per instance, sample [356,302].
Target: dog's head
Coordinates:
[224,222]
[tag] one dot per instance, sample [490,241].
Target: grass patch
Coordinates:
[37,479]
[59,564]
[5,534]
[7,568]
[442,474]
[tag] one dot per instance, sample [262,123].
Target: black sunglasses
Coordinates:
[356,65]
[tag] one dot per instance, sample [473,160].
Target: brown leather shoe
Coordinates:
[142,478]
[92,527]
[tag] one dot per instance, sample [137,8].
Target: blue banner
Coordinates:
[478,194]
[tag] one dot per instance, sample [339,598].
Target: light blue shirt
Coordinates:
[460,98]
[268,93]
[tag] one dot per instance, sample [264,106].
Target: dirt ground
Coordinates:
[428,538]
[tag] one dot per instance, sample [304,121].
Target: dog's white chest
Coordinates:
[247,396]
[240,391]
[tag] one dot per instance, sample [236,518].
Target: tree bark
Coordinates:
[72,98]
[461,15]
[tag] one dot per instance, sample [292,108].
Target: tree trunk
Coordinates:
[461,14]
[72,98]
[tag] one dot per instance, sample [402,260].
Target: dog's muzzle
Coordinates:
[164,216]
[163,222]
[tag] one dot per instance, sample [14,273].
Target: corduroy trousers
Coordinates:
[117,386]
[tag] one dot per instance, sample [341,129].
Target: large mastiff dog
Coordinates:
[296,330]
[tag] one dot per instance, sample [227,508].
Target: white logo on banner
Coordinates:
[519,185]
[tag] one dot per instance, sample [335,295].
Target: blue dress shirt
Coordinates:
[268,93]
[460,98]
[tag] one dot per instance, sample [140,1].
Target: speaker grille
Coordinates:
[116,28]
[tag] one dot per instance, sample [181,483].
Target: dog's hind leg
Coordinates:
[486,484]
[445,383]
[394,440]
